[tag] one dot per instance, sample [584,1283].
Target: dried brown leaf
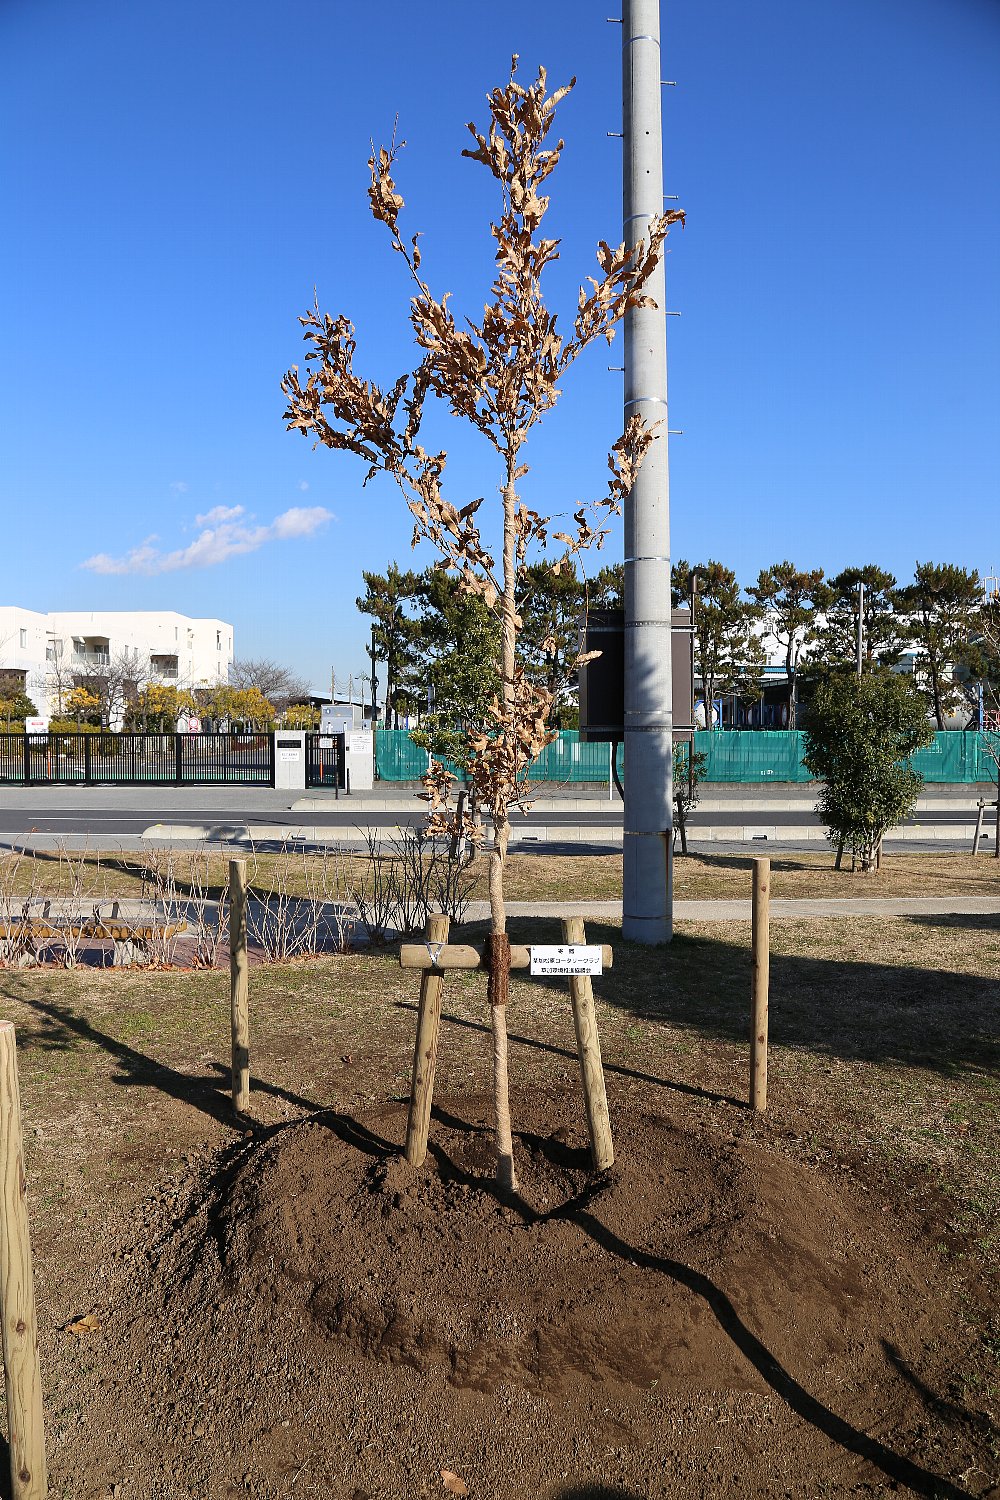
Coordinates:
[89,1323]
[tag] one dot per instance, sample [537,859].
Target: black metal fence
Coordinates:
[109,759]
[325,761]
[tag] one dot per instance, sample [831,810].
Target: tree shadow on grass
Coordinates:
[208,1092]
[858,1010]
[518,1039]
[64,1027]
[982,921]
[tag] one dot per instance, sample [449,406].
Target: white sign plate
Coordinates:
[288,755]
[566,958]
[36,726]
[359,743]
[326,742]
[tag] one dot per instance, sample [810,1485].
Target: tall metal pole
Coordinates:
[371,653]
[861,627]
[648,892]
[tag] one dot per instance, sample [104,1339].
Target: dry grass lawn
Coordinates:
[534,876]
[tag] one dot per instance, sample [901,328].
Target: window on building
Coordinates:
[218,640]
[24,638]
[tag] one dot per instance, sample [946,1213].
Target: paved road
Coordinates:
[48,818]
[112,817]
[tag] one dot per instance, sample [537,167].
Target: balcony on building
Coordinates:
[91,654]
[163,666]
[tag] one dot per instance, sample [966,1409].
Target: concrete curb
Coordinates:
[759,834]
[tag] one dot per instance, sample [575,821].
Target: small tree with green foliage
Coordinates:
[860,732]
[460,669]
[792,603]
[690,766]
[943,607]
[15,707]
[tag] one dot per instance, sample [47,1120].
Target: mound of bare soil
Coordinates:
[710,1317]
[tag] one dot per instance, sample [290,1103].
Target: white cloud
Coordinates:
[180,486]
[227,536]
[218,514]
[303,485]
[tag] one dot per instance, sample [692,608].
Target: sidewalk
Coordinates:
[739,911]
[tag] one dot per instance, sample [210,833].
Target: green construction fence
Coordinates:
[737,755]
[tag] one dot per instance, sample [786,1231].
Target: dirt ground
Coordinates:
[800,1305]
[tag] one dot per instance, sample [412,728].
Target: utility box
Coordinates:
[602,681]
[290,760]
[359,759]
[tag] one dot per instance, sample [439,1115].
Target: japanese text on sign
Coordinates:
[566,958]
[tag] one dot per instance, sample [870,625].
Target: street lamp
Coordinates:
[693,588]
[371,653]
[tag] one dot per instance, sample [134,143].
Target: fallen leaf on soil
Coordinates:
[453,1484]
[348,1057]
[89,1323]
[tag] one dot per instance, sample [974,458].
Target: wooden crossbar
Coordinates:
[469,956]
[434,958]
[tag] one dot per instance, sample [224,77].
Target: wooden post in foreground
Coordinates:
[760,941]
[589,1047]
[22,1379]
[426,1047]
[239,984]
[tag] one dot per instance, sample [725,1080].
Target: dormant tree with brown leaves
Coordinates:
[501,374]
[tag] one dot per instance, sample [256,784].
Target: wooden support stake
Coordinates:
[761,922]
[589,1047]
[239,984]
[426,1047]
[22,1379]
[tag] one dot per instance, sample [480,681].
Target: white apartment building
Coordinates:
[52,650]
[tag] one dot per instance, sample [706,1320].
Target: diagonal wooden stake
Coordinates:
[589,1047]
[426,1048]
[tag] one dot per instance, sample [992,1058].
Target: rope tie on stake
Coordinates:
[498,980]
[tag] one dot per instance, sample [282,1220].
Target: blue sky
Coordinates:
[179,176]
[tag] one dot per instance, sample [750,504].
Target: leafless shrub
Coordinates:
[375,893]
[278,919]
[12,904]
[164,908]
[79,889]
[328,895]
[20,947]
[207,909]
[454,881]
[412,849]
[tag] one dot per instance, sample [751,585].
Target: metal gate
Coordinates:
[325,761]
[110,759]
